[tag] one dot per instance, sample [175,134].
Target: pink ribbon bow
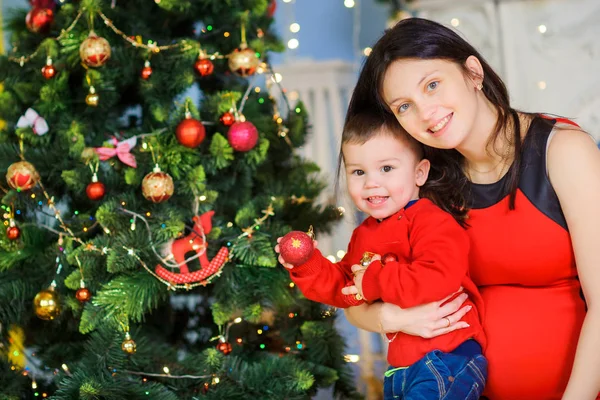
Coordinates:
[32,120]
[121,150]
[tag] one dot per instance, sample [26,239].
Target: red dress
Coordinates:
[523,263]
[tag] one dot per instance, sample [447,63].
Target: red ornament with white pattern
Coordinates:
[242,136]
[195,241]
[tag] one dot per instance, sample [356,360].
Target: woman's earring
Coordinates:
[480,86]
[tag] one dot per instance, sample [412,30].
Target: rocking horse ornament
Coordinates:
[195,241]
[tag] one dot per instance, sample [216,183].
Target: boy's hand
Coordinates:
[359,271]
[281,260]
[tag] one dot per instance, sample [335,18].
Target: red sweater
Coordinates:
[432,251]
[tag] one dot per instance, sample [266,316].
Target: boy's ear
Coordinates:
[422,172]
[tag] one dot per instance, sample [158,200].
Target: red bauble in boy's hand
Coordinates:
[296,247]
[388,257]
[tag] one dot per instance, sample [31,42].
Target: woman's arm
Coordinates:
[574,170]
[427,320]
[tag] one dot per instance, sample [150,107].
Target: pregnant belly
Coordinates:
[532,336]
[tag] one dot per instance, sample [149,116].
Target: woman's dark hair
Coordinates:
[361,127]
[418,38]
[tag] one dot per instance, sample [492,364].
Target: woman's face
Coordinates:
[432,99]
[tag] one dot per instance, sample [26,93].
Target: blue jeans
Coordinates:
[438,376]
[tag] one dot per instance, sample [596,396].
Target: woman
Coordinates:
[532,186]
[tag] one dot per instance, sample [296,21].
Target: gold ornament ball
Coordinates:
[92,98]
[243,61]
[157,186]
[128,345]
[46,305]
[22,175]
[95,50]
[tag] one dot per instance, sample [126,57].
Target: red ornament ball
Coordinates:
[224,347]
[242,136]
[22,175]
[146,72]
[95,50]
[227,119]
[39,19]
[190,132]
[296,247]
[271,8]
[95,190]
[83,294]
[388,257]
[13,233]
[48,71]
[157,186]
[204,66]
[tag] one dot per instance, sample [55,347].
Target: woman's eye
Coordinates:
[403,108]
[433,85]
[387,168]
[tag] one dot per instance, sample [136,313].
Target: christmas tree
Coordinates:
[140,214]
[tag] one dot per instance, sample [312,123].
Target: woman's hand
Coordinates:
[427,320]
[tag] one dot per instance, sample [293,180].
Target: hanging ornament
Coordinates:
[157,186]
[227,118]
[83,294]
[147,70]
[243,61]
[203,65]
[46,304]
[92,98]
[297,247]
[388,257]
[22,175]
[194,242]
[224,346]
[95,50]
[128,345]
[205,387]
[242,136]
[95,190]
[13,232]
[48,70]
[190,132]
[39,19]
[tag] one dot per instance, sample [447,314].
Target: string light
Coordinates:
[293,43]
[352,358]
[542,28]
[455,22]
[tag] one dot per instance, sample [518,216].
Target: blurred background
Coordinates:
[547,52]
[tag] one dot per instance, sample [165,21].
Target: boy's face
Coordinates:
[383,174]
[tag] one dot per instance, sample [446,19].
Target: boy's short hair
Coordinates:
[364,126]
